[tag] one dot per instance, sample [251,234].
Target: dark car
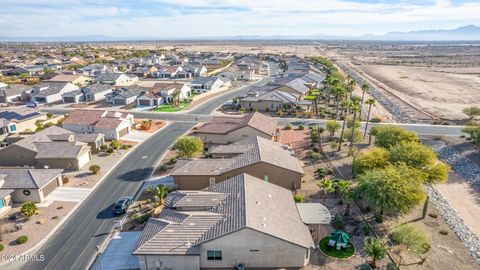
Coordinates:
[122,205]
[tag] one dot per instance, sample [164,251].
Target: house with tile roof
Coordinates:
[48,92]
[47,149]
[205,84]
[27,184]
[13,93]
[242,220]
[113,125]
[225,130]
[76,79]
[162,93]
[257,156]
[18,120]
[117,79]
[125,95]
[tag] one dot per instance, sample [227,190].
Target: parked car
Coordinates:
[122,205]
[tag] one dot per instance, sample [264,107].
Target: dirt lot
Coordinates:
[443,93]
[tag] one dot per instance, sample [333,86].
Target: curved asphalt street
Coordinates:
[73,245]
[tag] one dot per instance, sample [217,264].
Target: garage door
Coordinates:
[49,188]
[40,99]
[69,99]
[83,159]
[144,102]
[118,101]
[123,132]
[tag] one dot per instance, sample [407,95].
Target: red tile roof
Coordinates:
[224,125]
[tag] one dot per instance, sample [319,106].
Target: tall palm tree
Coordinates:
[350,85]
[327,186]
[370,102]
[364,90]
[159,191]
[375,249]
[355,108]
[348,104]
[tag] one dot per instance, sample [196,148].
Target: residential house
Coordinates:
[113,125]
[125,95]
[95,70]
[257,156]
[13,93]
[96,91]
[163,93]
[144,72]
[26,71]
[205,84]
[47,148]
[117,79]
[225,130]
[170,72]
[28,185]
[275,100]
[48,92]
[238,75]
[242,220]
[78,80]
[73,97]
[195,70]
[19,120]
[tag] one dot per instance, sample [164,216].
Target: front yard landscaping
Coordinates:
[171,107]
[336,253]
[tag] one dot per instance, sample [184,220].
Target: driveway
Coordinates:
[118,254]
[136,136]
[65,194]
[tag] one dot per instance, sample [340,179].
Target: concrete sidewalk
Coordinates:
[118,254]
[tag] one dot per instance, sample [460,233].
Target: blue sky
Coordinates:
[191,18]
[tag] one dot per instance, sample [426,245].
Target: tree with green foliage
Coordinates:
[420,157]
[388,136]
[472,112]
[29,209]
[115,144]
[365,89]
[94,169]
[332,127]
[187,146]
[375,249]
[159,191]
[412,238]
[473,129]
[375,158]
[327,186]
[395,188]
[370,102]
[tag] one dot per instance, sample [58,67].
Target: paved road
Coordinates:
[420,129]
[73,245]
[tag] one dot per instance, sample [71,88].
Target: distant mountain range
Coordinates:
[464,33]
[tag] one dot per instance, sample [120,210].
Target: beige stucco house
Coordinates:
[54,147]
[225,130]
[242,220]
[257,156]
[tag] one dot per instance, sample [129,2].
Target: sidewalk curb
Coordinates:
[37,246]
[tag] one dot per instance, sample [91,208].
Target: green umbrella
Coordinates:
[340,237]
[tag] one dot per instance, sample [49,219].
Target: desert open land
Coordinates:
[429,82]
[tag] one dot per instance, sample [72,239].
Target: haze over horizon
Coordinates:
[213,18]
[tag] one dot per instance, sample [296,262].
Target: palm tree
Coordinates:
[355,108]
[350,85]
[347,104]
[364,90]
[159,191]
[327,186]
[370,102]
[176,98]
[375,249]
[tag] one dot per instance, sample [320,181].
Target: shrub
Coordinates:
[1,247]
[321,172]
[65,180]
[49,115]
[339,222]
[379,219]
[392,266]
[29,209]
[298,198]
[149,201]
[55,217]
[163,168]
[22,239]
[115,144]
[315,149]
[95,169]
[288,127]
[314,155]
[279,113]
[109,151]
[365,267]
[433,215]
[267,110]
[173,160]
[143,218]
[103,147]
[187,146]
[367,230]
[443,232]
[301,127]
[375,120]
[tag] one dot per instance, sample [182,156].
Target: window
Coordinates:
[265,178]
[13,127]
[212,181]
[214,255]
